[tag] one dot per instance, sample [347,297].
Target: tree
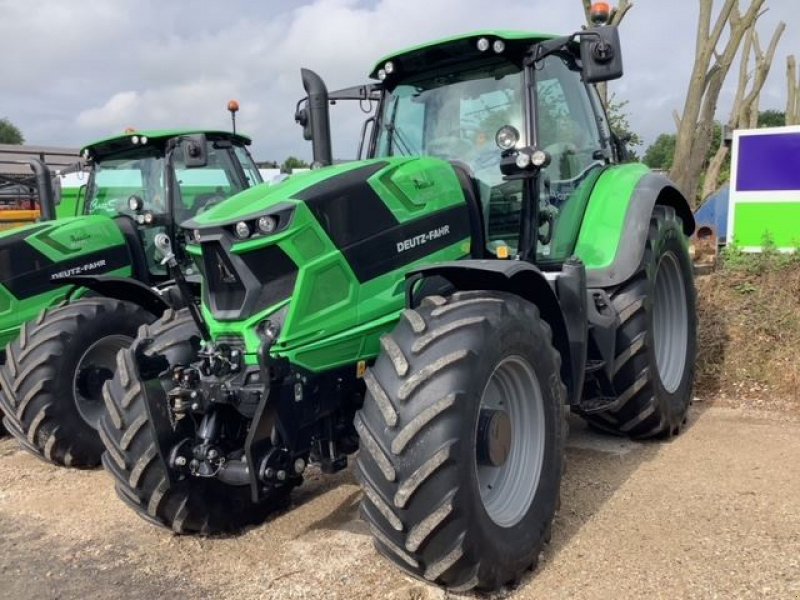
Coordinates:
[618,121]
[617,14]
[711,67]
[771,118]
[10,133]
[292,163]
[793,96]
[745,113]
[660,153]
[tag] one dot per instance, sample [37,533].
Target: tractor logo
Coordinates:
[423,238]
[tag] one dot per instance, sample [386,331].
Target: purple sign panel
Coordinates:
[768,162]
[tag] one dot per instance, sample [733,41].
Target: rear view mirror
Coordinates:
[601,54]
[194,150]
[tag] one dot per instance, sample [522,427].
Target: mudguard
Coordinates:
[516,277]
[122,288]
[614,230]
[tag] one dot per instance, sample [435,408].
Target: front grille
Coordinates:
[238,286]
[226,289]
[275,272]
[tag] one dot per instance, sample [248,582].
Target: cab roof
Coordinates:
[157,137]
[458,46]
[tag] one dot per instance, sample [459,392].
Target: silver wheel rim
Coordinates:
[96,366]
[670,322]
[507,490]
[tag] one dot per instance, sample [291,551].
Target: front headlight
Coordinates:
[242,230]
[267,224]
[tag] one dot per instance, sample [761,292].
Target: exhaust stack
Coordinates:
[315,118]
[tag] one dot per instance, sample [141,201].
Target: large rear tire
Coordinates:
[657,338]
[192,505]
[54,372]
[462,440]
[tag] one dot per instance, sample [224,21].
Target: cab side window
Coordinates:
[567,126]
[568,130]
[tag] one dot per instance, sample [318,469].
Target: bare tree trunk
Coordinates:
[616,18]
[710,70]
[793,102]
[746,102]
[748,116]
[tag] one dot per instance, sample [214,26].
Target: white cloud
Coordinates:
[75,75]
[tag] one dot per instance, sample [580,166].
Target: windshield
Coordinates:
[456,117]
[138,172]
[203,187]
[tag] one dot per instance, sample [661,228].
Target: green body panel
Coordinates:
[604,220]
[333,319]
[75,236]
[71,241]
[759,221]
[507,35]
[264,196]
[14,312]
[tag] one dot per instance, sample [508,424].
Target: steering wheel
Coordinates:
[449,146]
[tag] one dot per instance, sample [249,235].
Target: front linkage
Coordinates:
[218,417]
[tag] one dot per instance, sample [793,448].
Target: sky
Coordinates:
[72,72]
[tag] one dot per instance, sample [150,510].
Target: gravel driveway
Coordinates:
[713,513]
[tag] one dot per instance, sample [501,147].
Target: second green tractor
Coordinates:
[437,307]
[75,289]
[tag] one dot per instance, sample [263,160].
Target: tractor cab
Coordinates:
[151,181]
[517,116]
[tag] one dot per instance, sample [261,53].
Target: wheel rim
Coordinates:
[513,406]
[95,367]
[670,322]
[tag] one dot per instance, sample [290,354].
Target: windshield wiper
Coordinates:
[394,134]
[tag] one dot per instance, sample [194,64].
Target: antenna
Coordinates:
[233,108]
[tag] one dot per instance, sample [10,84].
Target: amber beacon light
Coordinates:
[600,13]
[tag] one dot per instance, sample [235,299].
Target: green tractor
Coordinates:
[75,290]
[441,305]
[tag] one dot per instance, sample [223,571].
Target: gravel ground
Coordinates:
[713,513]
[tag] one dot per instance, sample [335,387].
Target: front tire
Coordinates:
[192,505]
[462,440]
[54,372]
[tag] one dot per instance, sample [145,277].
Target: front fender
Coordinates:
[515,277]
[122,288]
[614,230]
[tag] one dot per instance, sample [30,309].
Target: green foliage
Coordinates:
[292,163]
[10,133]
[660,153]
[618,121]
[771,118]
[757,263]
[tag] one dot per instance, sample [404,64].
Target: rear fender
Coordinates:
[515,277]
[611,241]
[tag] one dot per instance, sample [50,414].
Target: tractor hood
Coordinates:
[321,251]
[261,198]
[36,258]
